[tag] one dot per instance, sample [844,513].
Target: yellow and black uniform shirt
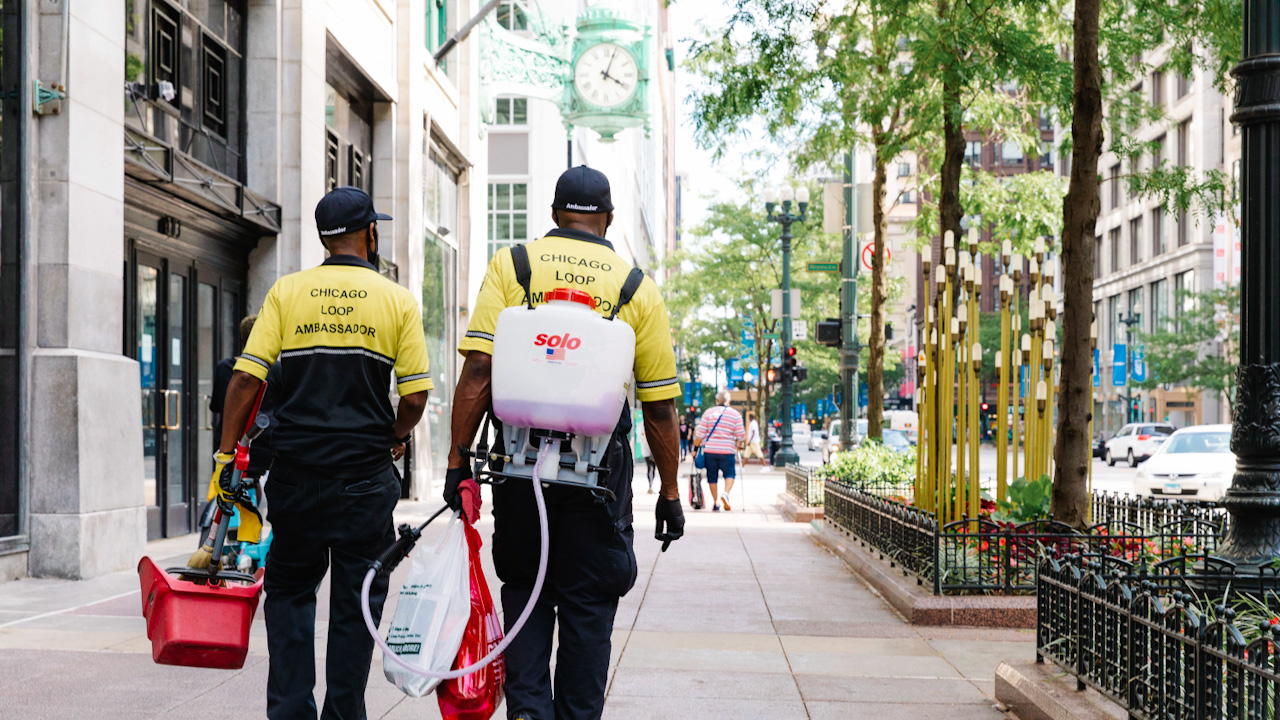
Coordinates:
[582,261]
[338,330]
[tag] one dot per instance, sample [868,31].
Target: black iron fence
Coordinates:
[803,487]
[984,556]
[1149,644]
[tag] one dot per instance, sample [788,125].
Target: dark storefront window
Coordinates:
[11,522]
[184,78]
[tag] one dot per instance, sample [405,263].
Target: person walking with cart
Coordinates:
[719,434]
[592,561]
[341,332]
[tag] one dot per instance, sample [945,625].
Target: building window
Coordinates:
[1157,232]
[437,27]
[1183,85]
[357,176]
[508,215]
[512,111]
[183,76]
[1184,284]
[1113,238]
[1046,154]
[440,190]
[1157,88]
[904,169]
[513,15]
[1097,257]
[1159,305]
[908,197]
[1046,121]
[1135,240]
[215,86]
[1184,140]
[1135,307]
[1184,228]
[1115,186]
[348,152]
[973,153]
[1113,318]
[1010,153]
[332,157]
[1157,153]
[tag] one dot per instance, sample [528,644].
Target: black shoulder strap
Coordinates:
[524,273]
[629,288]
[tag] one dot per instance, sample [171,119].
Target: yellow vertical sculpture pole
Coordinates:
[962,397]
[974,490]
[975,385]
[1021,351]
[947,382]
[1002,391]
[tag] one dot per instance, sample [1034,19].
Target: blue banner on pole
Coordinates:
[688,394]
[1119,365]
[734,371]
[1139,364]
[1022,382]
[1097,367]
[862,394]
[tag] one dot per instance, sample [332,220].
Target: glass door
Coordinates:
[176,403]
[147,293]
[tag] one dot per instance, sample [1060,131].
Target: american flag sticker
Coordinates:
[555,354]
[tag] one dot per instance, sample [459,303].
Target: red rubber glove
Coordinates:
[469,494]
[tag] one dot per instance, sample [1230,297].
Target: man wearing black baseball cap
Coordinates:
[593,561]
[340,332]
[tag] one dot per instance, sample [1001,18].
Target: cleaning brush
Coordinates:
[203,557]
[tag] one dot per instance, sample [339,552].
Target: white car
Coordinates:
[832,445]
[1137,441]
[1195,463]
[816,438]
[799,431]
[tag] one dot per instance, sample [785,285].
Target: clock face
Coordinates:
[606,75]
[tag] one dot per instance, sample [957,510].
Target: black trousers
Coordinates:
[318,523]
[591,564]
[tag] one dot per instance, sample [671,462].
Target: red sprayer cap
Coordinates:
[571,295]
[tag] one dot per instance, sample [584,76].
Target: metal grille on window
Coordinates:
[164,50]
[356,171]
[331,158]
[215,87]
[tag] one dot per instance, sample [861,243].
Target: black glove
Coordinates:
[452,478]
[670,512]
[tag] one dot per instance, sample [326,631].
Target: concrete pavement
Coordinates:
[743,618]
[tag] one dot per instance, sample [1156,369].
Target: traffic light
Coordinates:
[799,373]
[828,332]
[986,407]
[772,375]
[791,357]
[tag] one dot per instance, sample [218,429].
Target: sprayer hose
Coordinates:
[389,654]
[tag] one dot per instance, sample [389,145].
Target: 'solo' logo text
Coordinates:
[557,345]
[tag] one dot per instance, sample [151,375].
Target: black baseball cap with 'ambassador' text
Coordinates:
[345,209]
[583,190]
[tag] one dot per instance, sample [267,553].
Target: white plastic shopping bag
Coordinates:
[432,612]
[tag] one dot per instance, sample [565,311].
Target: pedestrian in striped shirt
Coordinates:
[719,434]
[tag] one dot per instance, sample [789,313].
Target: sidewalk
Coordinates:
[743,618]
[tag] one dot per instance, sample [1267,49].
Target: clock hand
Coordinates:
[611,59]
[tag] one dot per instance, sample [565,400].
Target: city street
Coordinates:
[745,617]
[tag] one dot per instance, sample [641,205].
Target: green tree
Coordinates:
[824,79]
[1199,348]
[728,273]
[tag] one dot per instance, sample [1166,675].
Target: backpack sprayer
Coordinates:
[561,376]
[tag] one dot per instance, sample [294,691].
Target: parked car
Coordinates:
[1137,441]
[1099,446]
[816,439]
[832,445]
[897,441]
[799,431]
[1194,463]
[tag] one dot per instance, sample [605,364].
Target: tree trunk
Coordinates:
[879,295]
[950,211]
[1079,213]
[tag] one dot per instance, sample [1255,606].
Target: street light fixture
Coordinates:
[786,453]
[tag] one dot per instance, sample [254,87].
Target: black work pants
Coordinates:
[318,523]
[591,564]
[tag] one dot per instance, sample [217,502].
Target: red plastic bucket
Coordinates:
[197,625]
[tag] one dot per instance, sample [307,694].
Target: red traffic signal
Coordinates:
[791,352]
[986,407]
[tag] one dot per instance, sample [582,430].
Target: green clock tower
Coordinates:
[608,86]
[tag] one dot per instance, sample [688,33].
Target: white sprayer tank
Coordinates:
[561,366]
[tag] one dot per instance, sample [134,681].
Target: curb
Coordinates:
[793,511]
[915,602]
[1040,691]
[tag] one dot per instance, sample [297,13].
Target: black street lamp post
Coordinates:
[1129,319]
[786,453]
[1253,535]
